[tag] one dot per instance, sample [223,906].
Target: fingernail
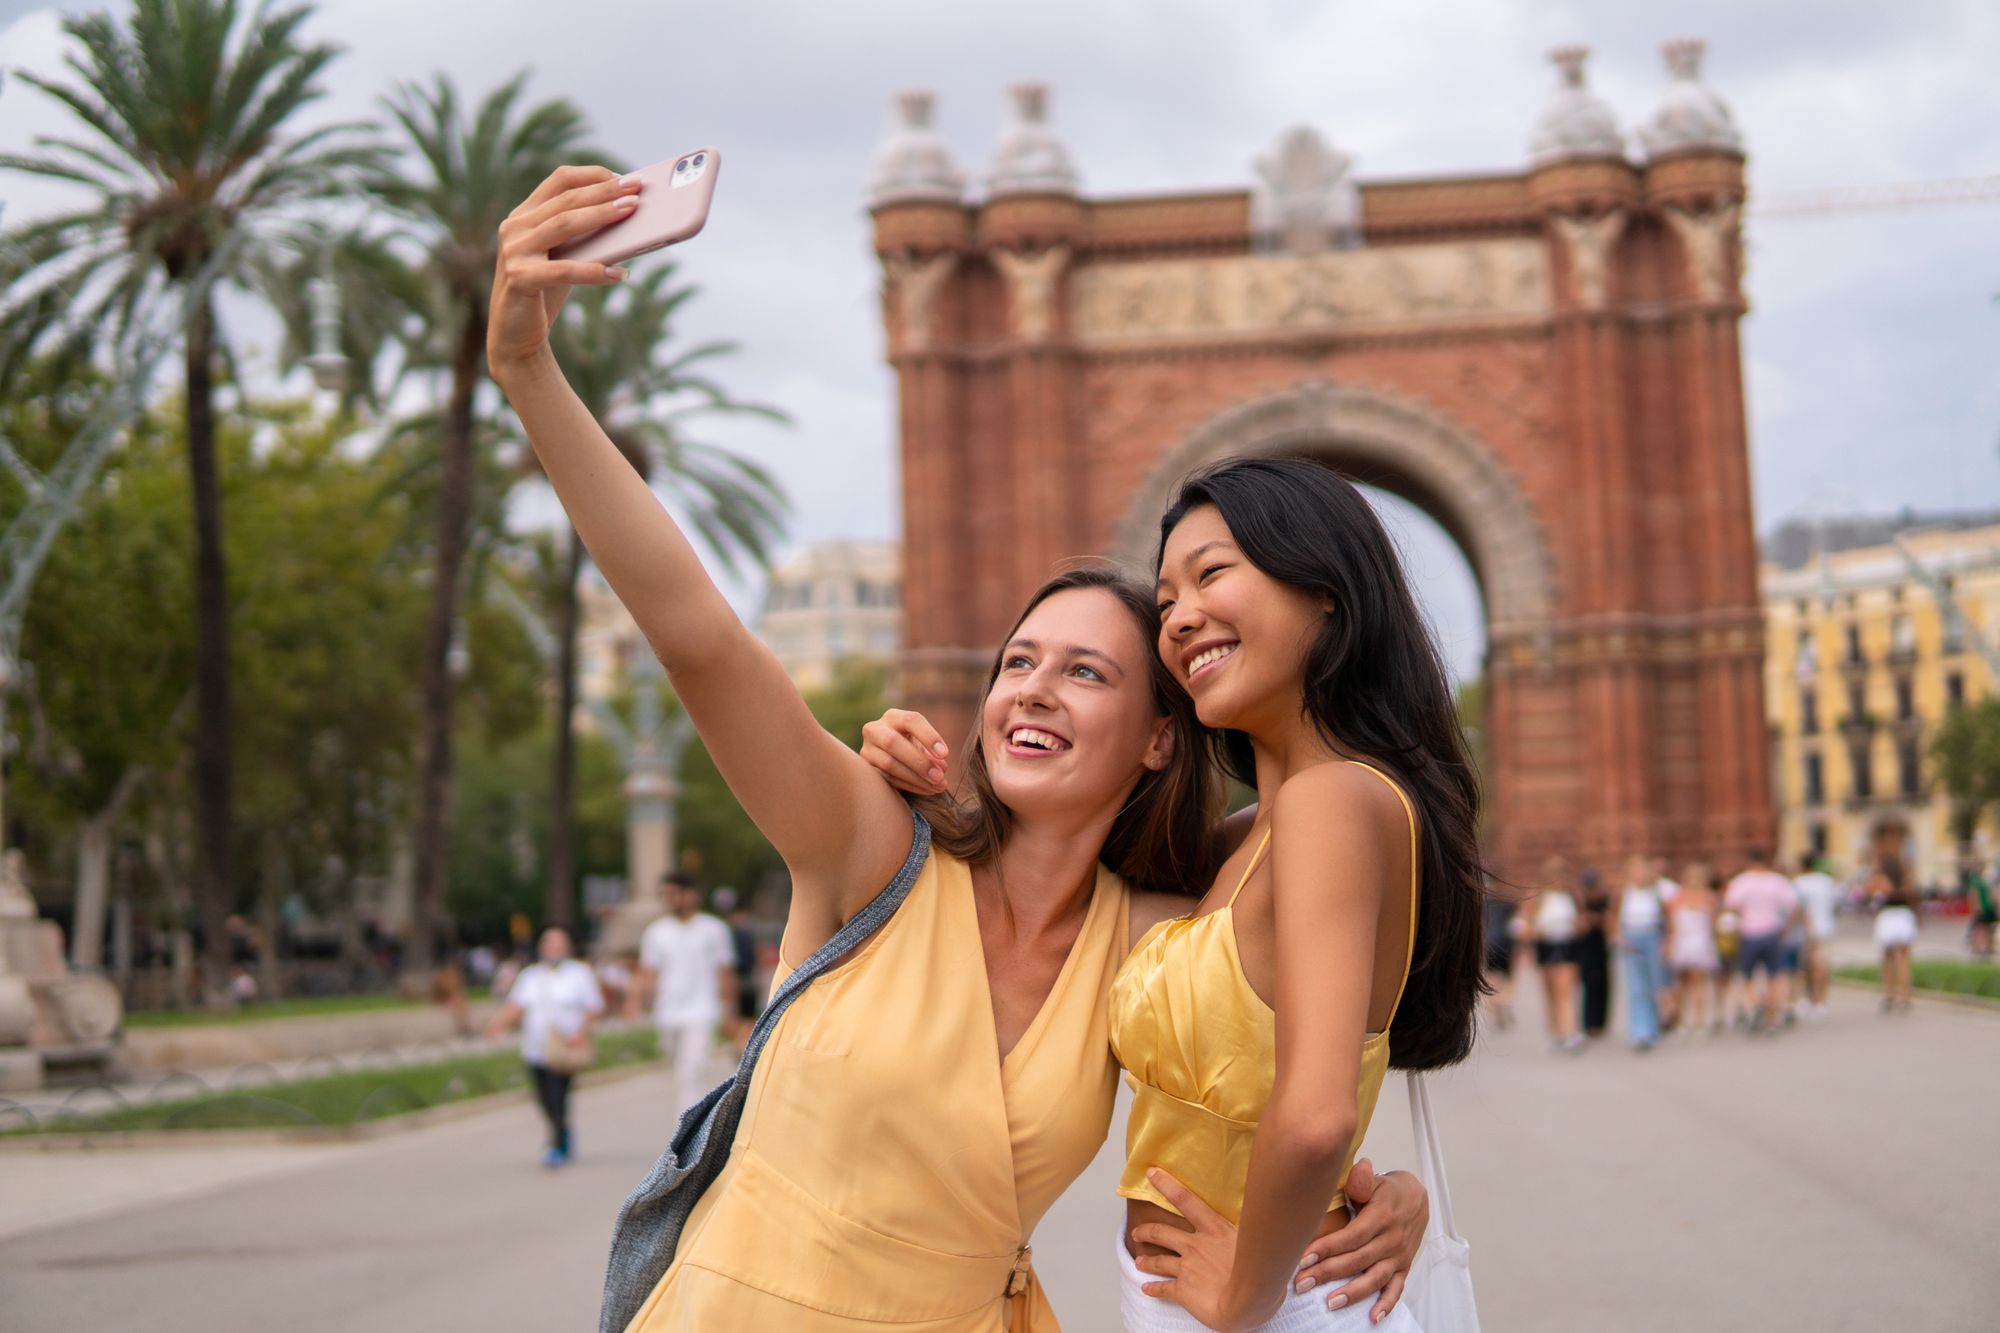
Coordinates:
[1335,1301]
[1306,1284]
[625,201]
[940,748]
[628,182]
[615,274]
[1308,1262]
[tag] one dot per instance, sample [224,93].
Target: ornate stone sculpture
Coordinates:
[1575,122]
[1307,200]
[1032,276]
[1590,242]
[1711,240]
[1030,159]
[914,282]
[1691,116]
[913,164]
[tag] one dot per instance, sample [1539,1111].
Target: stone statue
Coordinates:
[914,282]
[1711,241]
[1590,242]
[1307,201]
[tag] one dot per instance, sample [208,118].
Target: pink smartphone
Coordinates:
[673,205]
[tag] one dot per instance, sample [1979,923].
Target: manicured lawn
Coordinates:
[257,1010]
[1981,979]
[343,1098]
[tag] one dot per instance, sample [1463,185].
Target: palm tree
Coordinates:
[186,104]
[615,347]
[468,175]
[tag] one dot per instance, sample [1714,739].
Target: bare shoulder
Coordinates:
[1341,801]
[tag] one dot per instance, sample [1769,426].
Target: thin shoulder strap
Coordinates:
[1250,869]
[1416,867]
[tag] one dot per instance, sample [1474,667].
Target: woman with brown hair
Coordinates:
[917,1109]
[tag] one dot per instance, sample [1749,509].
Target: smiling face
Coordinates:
[1233,636]
[1070,725]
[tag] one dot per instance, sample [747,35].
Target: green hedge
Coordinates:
[343,1098]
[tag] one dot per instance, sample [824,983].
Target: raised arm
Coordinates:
[841,832]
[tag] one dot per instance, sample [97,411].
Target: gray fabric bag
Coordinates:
[649,1224]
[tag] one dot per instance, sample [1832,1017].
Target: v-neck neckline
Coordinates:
[1031,1033]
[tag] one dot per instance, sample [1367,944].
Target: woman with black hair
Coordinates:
[1257,1029]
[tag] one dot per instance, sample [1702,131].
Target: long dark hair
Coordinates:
[1375,684]
[1161,838]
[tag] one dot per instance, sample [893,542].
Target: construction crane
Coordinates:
[1940,588]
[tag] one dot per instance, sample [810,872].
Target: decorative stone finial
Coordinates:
[1030,159]
[1307,201]
[914,165]
[1576,122]
[1691,116]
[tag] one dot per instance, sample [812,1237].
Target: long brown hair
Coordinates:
[1161,839]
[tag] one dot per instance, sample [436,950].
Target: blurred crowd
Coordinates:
[1699,953]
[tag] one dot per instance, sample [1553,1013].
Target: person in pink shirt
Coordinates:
[1765,904]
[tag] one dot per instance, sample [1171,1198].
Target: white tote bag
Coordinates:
[1439,1290]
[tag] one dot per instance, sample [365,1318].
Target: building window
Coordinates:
[1800,609]
[1857,702]
[1854,657]
[1954,629]
[1909,767]
[1954,689]
[1806,660]
[1906,699]
[1902,639]
[1816,841]
[1864,771]
[1815,793]
[1809,712]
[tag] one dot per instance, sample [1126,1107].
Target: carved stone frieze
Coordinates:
[1166,301]
[1711,240]
[1032,276]
[914,283]
[1589,243]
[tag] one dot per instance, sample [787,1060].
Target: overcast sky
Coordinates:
[1873,348]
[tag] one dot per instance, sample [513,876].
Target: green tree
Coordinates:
[617,347]
[461,177]
[186,106]
[1967,750]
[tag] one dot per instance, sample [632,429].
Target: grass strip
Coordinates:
[1937,974]
[258,1010]
[348,1098]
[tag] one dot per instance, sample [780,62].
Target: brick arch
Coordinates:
[1385,441]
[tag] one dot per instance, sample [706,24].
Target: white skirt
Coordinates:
[1301,1311]
[1895,927]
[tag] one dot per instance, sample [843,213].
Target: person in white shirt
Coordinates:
[555,1000]
[1817,895]
[687,964]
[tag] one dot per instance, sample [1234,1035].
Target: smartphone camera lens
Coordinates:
[681,165]
[699,158]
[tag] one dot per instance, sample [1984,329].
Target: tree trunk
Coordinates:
[214,778]
[559,907]
[93,877]
[453,530]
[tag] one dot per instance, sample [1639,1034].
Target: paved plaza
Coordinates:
[1838,1177]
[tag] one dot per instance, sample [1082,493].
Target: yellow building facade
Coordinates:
[1863,659]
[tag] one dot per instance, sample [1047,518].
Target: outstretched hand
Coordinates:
[529,288]
[905,749]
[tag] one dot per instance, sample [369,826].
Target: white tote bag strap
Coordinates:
[1430,1156]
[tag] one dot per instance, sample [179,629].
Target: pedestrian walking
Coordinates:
[1692,951]
[687,967]
[749,1000]
[1895,929]
[1979,897]
[555,1000]
[1637,928]
[1553,913]
[1504,926]
[1818,894]
[1593,950]
[1765,906]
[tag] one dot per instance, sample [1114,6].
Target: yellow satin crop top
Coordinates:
[1199,1048]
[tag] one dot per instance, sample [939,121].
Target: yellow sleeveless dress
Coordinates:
[1201,1048]
[890,1166]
